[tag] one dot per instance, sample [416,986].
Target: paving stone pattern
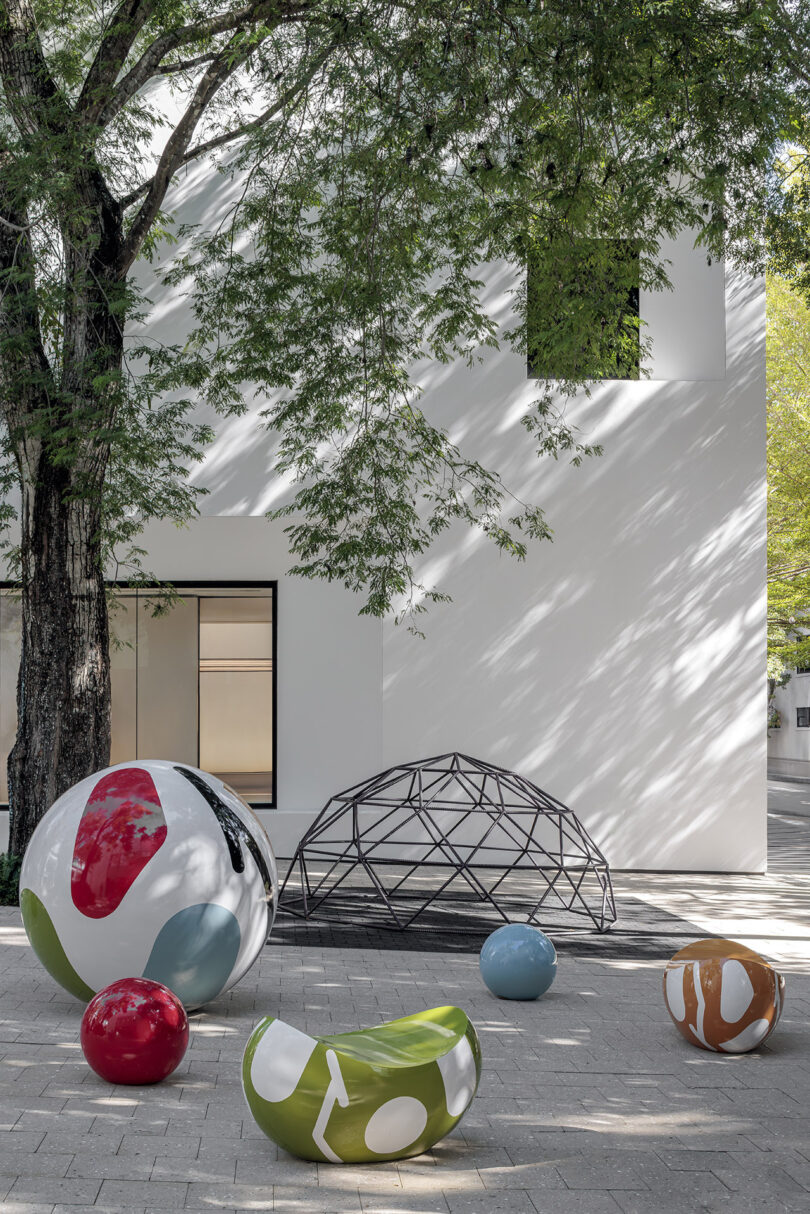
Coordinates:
[590,1101]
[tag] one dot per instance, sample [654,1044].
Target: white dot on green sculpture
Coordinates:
[395,1125]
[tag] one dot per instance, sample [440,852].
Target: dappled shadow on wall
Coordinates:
[237,470]
[620,667]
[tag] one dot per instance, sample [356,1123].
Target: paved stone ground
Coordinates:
[789,796]
[590,1101]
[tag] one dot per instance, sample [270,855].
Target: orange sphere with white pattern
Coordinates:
[723,996]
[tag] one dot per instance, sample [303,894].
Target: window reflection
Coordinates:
[194,685]
[236,692]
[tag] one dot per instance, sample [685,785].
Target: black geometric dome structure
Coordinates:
[442,832]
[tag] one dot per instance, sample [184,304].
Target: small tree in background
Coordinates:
[788,397]
[384,150]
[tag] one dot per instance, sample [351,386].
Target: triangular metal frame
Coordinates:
[572,874]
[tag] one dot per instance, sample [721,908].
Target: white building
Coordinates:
[789,743]
[621,667]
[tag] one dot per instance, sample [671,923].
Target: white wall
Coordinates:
[621,667]
[329,660]
[688,323]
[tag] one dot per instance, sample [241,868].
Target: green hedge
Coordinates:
[10,879]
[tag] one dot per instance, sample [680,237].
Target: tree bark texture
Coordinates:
[63,690]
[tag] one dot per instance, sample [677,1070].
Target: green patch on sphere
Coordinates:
[48,947]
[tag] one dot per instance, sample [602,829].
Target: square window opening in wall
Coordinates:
[803,718]
[803,669]
[195,684]
[576,330]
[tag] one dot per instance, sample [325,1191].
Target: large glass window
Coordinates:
[195,684]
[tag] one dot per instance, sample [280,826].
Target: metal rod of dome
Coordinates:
[461,815]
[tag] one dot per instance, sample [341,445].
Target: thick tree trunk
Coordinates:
[63,692]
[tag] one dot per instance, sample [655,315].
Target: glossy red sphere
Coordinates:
[134,1031]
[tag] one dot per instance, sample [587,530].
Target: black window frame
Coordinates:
[803,723]
[208,585]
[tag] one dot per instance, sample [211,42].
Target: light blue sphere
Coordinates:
[518,962]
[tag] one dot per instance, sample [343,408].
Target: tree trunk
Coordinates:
[63,691]
[63,684]
[59,403]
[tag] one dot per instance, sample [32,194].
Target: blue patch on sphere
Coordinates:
[194,952]
[518,962]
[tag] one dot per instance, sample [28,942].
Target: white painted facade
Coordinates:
[621,667]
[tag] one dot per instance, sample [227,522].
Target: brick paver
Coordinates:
[590,1101]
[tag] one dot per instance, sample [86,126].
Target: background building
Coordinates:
[621,667]
[789,744]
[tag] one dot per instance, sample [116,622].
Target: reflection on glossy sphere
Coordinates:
[134,1031]
[518,962]
[723,996]
[154,869]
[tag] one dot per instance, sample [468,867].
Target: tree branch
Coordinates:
[787,573]
[35,102]
[227,63]
[127,22]
[184,65]
[245,129]
[793,41]
[25,373]
[150,62]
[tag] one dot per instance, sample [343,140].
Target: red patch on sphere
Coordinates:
[121,829]
[134,1031]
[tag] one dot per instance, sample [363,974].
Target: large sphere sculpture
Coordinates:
[518,962]
[134,1031]
[152,869]
[723,996]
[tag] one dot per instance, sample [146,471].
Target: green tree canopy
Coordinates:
[385,150]
[788,337]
